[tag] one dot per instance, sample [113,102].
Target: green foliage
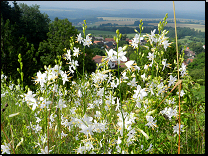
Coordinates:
[58,39]
[34,24]
[22,28]
[98,51]
[59,35]
[197,68]
[196,47]
[10,48]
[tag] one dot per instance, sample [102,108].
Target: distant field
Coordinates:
[144,19]
[116,22]
[195,26]
[122,21]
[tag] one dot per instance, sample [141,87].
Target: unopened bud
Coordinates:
[114,37]
[120,36]
[143,55]
[125,47]
[117,31]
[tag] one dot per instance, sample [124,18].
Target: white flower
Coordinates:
[176,128]
[129,64]
[151,56]
[64,77]
[63,135]
[151,122]
[87,129]
[87,41]
[88,146]
[145,66]
[124,75]
[98,114]
[61,104]
[150,148]
[164,64]
[119,140]
[152,39]
[172,80]
[68,55]
[132,83]
[169,112]
[81,149]
[45,151]
[79,93]
[37,128]
[79,38]
[111,55]
[40,78]
[139,93]
[136,40]
[76,51]
[6,148]
[38,119]
[143,77]
[183,69]
[181,93]
[121,55]
[165,44]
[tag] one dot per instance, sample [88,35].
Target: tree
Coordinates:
[34,24]
[59,35]
[10,48]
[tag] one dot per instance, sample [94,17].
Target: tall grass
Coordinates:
[115,111]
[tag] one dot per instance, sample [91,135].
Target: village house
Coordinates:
[189,60]
[110,40]
[98,38]
[99,43]
[189,53]
[109,45]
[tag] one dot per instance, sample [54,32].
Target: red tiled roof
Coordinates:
[96,42]
[110,39]
[191,60]
[97,58]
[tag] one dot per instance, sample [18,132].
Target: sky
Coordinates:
[198,6]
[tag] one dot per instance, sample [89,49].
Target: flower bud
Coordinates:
[143,55]
[117,31]
[135,30]
[120,36]
[117,40]
[125,47]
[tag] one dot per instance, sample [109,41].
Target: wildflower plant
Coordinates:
[133,111]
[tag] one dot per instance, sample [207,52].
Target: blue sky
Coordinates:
[196,6]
